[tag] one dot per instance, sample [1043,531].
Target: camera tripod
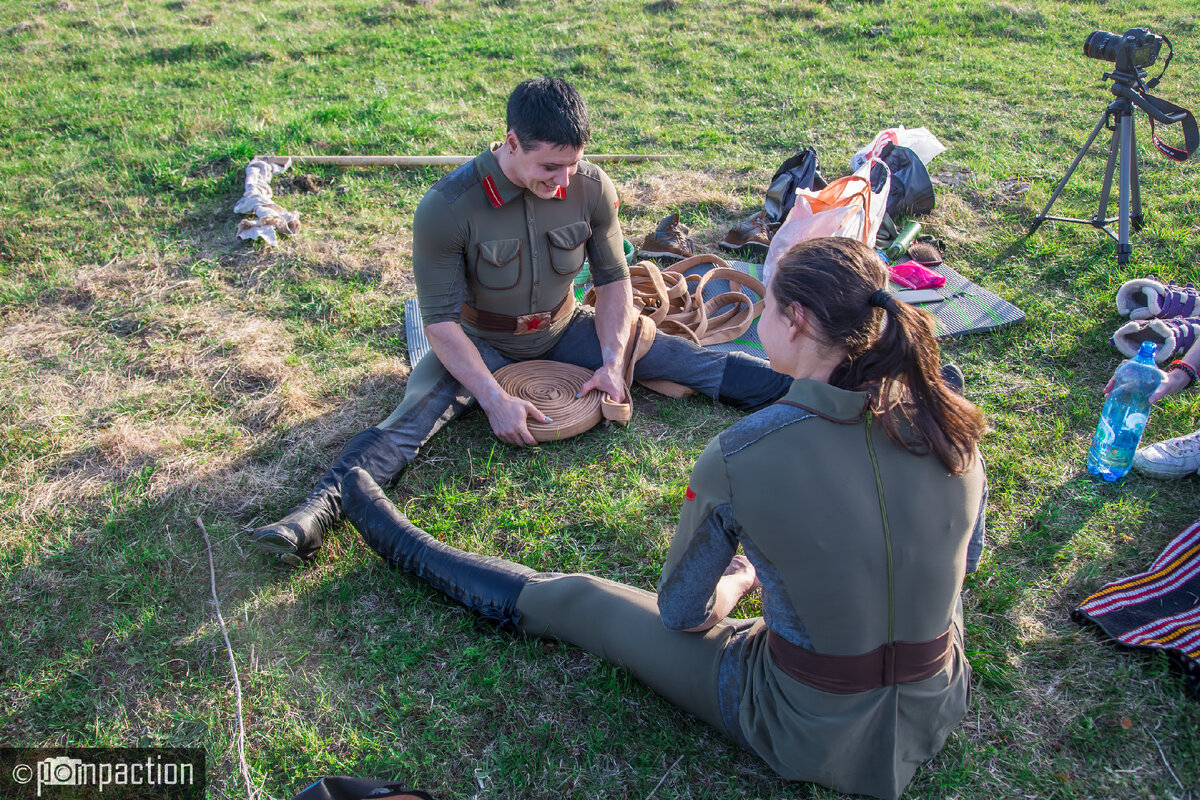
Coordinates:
[1118,118]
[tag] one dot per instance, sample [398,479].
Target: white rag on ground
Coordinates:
[269,217]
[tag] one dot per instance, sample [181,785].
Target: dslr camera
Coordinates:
[1136,49]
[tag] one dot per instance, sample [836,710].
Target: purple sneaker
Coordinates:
[1174,337]
[1146,298]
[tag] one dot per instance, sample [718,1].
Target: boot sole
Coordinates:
[761,249]
[660,254]
[275,545]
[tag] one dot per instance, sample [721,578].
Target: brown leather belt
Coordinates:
[886,665]
[518,326]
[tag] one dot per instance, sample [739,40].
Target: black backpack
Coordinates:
[801,171]
[340,788]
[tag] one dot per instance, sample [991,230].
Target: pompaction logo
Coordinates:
[79,773]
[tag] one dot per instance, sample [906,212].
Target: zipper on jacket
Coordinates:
[887,533]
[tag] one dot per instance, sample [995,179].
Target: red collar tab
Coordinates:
[561,194]
[493,194]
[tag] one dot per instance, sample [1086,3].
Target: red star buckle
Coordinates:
[531,323]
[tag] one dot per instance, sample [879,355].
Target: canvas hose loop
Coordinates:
[552,386]
[675,301]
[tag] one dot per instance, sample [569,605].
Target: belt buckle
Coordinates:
[532,323]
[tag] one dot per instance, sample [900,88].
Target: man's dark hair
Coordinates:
[548,110]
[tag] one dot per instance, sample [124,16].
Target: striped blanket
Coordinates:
[1157,609]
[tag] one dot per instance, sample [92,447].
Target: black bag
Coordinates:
[801,171]
[339,788]
[911,192]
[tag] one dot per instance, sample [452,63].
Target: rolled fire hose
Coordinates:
[552,386]
[676,304]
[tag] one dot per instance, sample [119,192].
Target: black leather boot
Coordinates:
[748,383]
[297,537]
[484,584]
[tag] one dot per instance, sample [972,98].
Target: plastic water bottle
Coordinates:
[1125,414]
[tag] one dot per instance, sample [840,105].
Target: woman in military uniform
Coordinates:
[858,502]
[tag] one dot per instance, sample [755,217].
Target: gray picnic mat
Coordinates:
[966,308]
[414,332]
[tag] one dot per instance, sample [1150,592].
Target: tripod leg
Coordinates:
[1040,218]
[1124,249]
[1101,219]
[1135,182]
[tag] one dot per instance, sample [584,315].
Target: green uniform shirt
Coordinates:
[480,239]
[796,487]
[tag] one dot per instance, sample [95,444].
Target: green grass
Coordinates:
[154,370]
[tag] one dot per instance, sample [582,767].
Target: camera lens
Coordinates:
[1102,45]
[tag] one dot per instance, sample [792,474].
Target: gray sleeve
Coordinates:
[704,543]
[978,540]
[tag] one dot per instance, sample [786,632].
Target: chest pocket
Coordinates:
[499,264]
[567,247]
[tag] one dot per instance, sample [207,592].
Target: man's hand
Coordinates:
[607,379]
[508,416]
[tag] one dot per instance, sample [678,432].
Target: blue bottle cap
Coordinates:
[1147,350]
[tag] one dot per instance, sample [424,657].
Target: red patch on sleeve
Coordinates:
[690,495]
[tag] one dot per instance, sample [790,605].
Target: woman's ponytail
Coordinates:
[891,347]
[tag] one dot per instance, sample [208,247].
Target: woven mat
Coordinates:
[414,332]
[1158,609]
[967,308]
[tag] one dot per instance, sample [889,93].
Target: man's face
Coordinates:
[543,168]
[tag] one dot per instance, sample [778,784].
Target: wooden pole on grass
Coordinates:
[440,161]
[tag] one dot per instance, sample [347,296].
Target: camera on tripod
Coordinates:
[1131,52]
[1138,47]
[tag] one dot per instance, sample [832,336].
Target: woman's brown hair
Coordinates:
[841,284]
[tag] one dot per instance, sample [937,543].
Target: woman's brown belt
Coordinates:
[886,665]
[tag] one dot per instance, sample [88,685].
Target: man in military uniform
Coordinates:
[496,246]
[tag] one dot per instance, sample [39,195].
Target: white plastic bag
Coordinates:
[919,140]
[846,207]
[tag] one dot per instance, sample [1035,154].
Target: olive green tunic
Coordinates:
[851,556]
[480,239]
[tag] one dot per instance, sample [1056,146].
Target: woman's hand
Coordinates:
[741,570]
[738,579]
[1177,380]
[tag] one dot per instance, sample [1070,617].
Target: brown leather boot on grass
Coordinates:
[753,235]
[669,240]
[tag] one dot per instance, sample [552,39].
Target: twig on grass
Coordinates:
[237,683]
[663,778]
[1166,763]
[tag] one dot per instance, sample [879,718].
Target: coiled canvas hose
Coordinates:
[552,386]
[675,301]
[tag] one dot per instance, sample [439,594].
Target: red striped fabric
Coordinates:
[1158,608]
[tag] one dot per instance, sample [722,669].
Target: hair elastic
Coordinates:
[879,298]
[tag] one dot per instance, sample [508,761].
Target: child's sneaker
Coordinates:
[1146,298]
[1173,336]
